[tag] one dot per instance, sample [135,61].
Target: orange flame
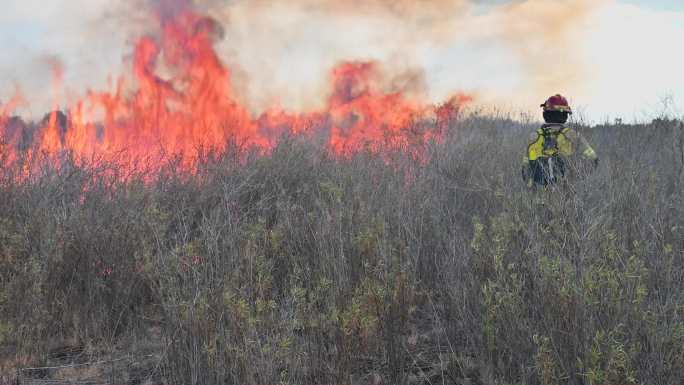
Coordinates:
[183,102]
[8,136]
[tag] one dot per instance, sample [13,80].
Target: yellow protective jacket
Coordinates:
[568,141]
[547,149]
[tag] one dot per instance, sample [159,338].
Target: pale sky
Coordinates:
[628,55]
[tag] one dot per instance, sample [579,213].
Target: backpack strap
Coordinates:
[558,127]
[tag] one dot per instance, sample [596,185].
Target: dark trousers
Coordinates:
[545,171]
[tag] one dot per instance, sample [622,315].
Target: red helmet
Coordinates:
[557,103]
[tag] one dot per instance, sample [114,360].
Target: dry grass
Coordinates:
[299,268]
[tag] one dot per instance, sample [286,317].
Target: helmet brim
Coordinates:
[557,108]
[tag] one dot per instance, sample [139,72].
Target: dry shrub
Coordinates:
[299,267]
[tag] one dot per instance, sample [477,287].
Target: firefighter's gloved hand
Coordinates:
[524,172]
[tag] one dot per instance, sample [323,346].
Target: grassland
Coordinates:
[303,268]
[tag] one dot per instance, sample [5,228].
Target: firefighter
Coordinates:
[550,146]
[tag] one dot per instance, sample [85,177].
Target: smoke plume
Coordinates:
[280,51]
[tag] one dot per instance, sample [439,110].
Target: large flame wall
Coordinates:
[182,101]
